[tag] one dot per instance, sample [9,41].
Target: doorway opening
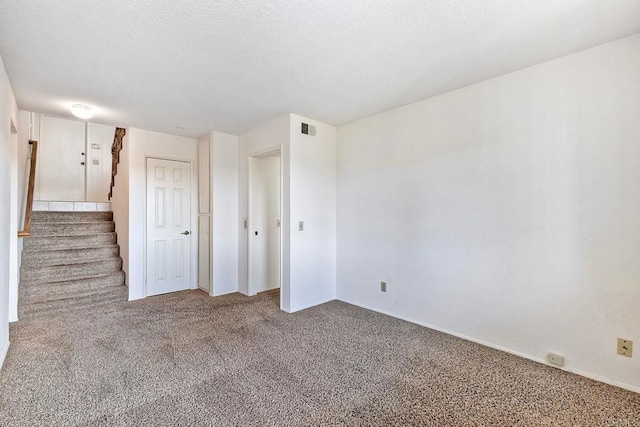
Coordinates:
[265,220]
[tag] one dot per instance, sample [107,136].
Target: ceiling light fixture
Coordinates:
[81,111]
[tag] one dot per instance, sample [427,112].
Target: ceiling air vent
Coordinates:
[308,129]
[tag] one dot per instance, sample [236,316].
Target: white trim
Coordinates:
[277,149]
[4,348]
[208,291]
[500,348]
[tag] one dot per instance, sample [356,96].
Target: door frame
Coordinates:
[257,155]
[193,233]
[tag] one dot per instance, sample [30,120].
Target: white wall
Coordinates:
[14,261]
[120,205]
[225,222]
[8,168]
[143,144]
[22,161]
[204,175]
[506,212]
[313,200]
[308,195]
[99,175]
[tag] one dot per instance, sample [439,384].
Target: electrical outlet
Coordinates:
[625,347]
[383,286]
[300,225]
[555,359]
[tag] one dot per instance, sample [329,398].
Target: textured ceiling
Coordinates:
[231,64]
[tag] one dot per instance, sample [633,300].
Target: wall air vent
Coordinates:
[308,129]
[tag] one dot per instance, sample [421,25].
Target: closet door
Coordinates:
[61,160]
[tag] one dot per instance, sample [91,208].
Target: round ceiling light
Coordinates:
[81,111]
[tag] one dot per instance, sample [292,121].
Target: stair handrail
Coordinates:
[116,147]
[28,212]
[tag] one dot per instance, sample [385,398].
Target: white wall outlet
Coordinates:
[555,359]
[625,347]
[383,286]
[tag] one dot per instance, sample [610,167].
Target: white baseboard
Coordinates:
[4,348]
[315,304]
[213,294]
[506,350]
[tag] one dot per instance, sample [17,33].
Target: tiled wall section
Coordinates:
[42,205]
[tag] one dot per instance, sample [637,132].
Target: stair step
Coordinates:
[38,292]
[51,216]
[49,257]
[69,242]
[71,265]
[66,272]
[80,306]
[71,228]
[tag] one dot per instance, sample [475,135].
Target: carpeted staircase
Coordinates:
[71,261]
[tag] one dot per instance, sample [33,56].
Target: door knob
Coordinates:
[186,233]
[82,163]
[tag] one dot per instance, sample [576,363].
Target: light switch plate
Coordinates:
[300,225]
[383,286]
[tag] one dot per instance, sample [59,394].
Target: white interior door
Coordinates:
[61,160]
[168,226]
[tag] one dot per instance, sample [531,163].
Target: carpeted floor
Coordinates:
[186,359]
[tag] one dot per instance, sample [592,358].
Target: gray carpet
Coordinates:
[187,359]
[71,260]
